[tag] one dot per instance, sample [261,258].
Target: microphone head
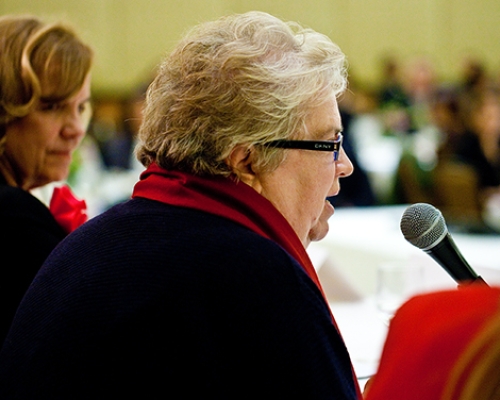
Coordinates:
[423,225]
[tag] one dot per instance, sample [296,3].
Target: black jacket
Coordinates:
[28,233]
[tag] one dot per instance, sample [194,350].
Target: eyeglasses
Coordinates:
[316,145]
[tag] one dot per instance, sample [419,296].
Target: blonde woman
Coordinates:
[44,111]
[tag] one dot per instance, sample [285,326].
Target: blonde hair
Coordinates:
[476,375]
[38,60]
[243,79]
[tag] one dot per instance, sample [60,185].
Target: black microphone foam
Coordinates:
[424,226]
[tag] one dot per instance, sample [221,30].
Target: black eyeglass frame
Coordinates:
[316,145]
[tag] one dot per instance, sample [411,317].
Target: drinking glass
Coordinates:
[396,283]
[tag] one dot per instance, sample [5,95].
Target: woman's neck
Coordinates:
[8,174]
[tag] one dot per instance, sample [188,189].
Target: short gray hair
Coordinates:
[243,79]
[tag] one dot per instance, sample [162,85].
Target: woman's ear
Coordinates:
[240,160]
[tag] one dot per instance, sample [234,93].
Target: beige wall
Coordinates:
[130,36]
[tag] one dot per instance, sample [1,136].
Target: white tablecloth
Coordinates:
[359,240]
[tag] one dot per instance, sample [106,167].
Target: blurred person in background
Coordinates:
[480,145]
[357,189]
[116,135]
[421,82]
[429,147]
[479,148]
[391,90]
[474,78]
[446,116]
[393,99]
[44,112]
[110,142]
[200,286]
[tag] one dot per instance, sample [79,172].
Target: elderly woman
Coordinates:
[44,110]
[200,286]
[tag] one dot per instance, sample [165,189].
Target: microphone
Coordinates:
[424,226]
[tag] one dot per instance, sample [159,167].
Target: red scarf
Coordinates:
[229,199]
[232,200]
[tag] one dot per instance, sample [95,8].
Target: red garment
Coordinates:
[68,211]
[426,337]
[229,199]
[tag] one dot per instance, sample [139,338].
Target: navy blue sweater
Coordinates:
[154,301]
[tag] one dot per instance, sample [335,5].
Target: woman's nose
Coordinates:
[344,165]
[76,123]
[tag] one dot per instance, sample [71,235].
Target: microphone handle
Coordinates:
[449,257]
[479,280]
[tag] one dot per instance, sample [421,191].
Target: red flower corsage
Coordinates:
[68,211]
